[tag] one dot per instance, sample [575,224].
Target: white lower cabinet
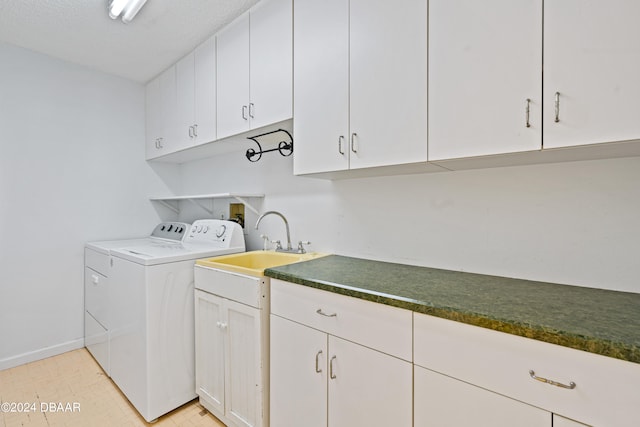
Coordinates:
[339,361]
[96,325]
[231,351]
[577,385]
[321,379]
[442,401]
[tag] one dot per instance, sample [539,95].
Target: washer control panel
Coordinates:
[225,233]
[175,231]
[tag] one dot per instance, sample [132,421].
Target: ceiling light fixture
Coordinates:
[127,8]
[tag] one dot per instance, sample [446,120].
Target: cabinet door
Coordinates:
[153,118]
[205,92]
[271,59]
[244,356]
[485,62]
[442,401]
[321,81]
[298,376]
[592,60]
[388,82]
[233,78]
[185,101]
[210,354]
[367,388]
[169,108]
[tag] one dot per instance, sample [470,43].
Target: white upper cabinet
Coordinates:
[271,48]
[161,108]
[185,91]
[153,118]
[205,92]
[321,86]
[388,84]
[181,103]
[360,84]
[197,90]
[592,60]
[485,77]
[233,77]
[255,68]
[486,82]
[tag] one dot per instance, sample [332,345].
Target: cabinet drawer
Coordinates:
[96,295]
[236,287]
[606,388]
[381,327]
[96,261]
[96,339]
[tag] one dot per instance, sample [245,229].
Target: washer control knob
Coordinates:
[221,230]
[205,228]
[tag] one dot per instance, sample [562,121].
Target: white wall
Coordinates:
[72,169]
[570,223]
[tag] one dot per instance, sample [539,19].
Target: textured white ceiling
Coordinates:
[81,31]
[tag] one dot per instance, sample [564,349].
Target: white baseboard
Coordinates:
[32,356]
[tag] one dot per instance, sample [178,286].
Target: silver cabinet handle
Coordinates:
[557,107]
[157,146]
[353,144]
[571,385]
[244,112]
[221,325]
[251,109]
[160,143]
[195,130]
[528,110]
[322,313]
[190,131]
[331,374]
[318,370]
[340,141]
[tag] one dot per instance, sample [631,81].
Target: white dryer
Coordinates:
[152,317]
[97,263]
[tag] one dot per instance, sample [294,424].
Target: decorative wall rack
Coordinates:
[285,145]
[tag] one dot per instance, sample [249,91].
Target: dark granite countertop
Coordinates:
[595,320]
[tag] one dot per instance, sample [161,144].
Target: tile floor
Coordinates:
[73,381]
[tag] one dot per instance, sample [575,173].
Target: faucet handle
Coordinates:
[278,244]
[301,248]
[265,242]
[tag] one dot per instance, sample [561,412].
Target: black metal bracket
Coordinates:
[284,147]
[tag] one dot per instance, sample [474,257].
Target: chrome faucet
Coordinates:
[286,224]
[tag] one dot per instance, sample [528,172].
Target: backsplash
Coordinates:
[572,223]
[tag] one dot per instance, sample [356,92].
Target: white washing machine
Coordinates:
[97,264]
[152,320]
